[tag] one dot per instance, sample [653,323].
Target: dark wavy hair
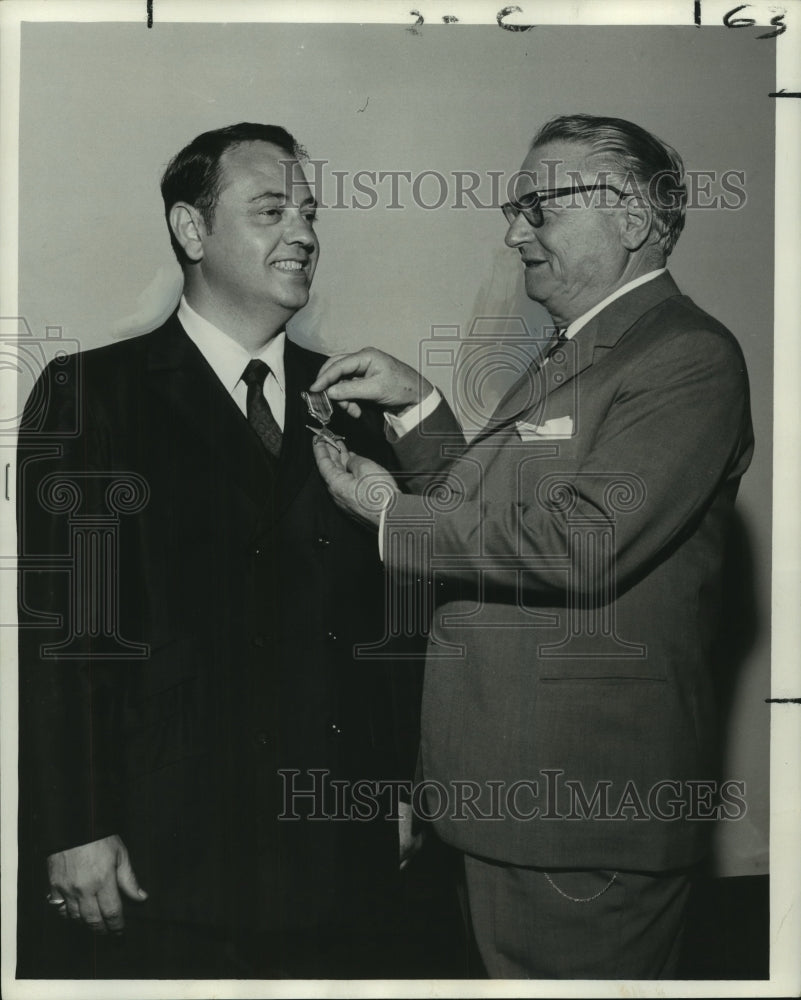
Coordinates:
[193,175]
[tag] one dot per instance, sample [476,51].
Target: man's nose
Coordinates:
[519,232]
[299,231]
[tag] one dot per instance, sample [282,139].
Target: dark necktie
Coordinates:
[558,338]
[525,390]
[260,416]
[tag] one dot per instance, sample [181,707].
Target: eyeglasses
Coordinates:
[529,205]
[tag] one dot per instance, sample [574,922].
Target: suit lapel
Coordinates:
[591,343]
[189,388]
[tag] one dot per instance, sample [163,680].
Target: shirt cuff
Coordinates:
[381,521]
[412,417]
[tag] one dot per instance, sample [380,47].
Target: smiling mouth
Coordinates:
[290,266]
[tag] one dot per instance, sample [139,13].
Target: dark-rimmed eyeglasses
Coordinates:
[529,205]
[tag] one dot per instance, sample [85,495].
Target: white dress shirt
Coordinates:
[577,324]
[228,360]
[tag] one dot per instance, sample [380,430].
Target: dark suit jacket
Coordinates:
[577,571]
[207,643]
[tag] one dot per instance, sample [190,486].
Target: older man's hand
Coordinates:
[359,487]
[371,375]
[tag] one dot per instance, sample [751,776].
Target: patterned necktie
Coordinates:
[260,416]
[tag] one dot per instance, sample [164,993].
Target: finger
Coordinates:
[126,879]
[327,461]
[368,387]
[352,409]
[333,359]
[57,900]
[72,908]
[360,466]
[340,367]
[110,906]
[90,914]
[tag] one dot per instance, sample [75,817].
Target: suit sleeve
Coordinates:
[677,433]
[426,452]
[68,704]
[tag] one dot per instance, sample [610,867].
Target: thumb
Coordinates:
[126,879]
[360,466]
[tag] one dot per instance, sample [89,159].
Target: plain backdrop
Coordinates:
[104,107]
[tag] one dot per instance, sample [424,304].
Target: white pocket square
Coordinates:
[557,427]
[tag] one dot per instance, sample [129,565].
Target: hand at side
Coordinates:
[89,879]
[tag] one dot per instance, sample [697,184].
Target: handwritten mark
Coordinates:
[783,701]
[785,93]
[150,13]
[778,23]
[505,12]
[420,20]
[748,22]
[359,110]
[697,13]
[738,22]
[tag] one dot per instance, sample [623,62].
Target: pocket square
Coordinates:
[557,427]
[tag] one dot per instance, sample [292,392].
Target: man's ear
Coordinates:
[188,228]
[636,222]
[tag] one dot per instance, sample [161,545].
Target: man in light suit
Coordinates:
[190,601]
[574,549]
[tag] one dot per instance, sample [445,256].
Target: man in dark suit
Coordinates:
[190,604]
[574,547]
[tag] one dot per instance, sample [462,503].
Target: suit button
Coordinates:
[331,636]
[261,739]
[321,542]
[258,640]
[333,730]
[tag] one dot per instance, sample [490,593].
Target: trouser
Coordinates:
[163,949]
[166,950]
[531,923]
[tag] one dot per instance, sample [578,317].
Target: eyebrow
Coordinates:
[281,196]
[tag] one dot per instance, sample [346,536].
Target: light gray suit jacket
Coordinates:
[575,567]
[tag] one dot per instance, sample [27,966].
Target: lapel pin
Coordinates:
[321,410]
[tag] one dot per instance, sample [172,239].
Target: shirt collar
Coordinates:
[227,358]
[577,324]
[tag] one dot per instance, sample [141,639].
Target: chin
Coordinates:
[293,302]
[535,291]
